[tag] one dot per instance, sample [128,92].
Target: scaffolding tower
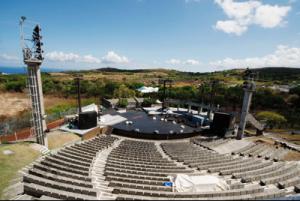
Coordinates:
[33,59]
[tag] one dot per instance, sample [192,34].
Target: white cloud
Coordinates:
[61,56]
[7,57]
[90,59]
[186,62]
[173,61]
[283,56]
[270,16]
[112,57]
[192,62]
[252,12]
[231,26]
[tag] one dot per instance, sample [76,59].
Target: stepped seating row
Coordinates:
[190,154]
[270,194]
[65,175]
[210,142]
[247,169]
[245,194]
[138,165]
[210,160]
[135,175]
[262,150]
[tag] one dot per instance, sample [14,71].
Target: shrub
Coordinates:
[272,119]
[122,103]
[148,102]
[16,86]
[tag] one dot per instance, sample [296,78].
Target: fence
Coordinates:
[19,128]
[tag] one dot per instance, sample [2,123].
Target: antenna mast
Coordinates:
[33,59]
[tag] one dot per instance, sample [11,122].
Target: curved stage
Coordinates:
[153,127]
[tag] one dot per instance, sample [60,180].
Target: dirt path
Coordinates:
[13,103]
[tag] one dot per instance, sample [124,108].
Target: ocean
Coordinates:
[22,70]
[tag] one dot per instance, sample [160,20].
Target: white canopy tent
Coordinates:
[145,89]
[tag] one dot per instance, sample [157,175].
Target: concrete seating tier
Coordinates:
[135,174]
[283,177]
[66,174]
[248,175]
[27,178]
[61,172]
[108,174]
[244,168]
[168,195]
[219,163]
[129,167]
[59,178]
[146,163]
[39,190]
[210,142]
[288,183]
[137,180]
[171,166]
[248,169]
[123,184]
[271,194]
[204,159]
[297,188]
[262,150]
[157,169]
[243,163]
[280,170]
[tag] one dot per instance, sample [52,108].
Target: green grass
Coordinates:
[10,164]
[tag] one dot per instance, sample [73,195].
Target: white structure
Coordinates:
[145,90]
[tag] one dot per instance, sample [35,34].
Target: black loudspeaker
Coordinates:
[87,120]
[221,123]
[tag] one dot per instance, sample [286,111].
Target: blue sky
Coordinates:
[189,35]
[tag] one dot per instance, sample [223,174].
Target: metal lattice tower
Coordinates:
[33,59]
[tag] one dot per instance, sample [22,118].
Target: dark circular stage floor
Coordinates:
[152,127]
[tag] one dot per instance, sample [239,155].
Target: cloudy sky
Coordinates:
[189,35]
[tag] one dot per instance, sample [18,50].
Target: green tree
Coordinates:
[272,119]
[124,92]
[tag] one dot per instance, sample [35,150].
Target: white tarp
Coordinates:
[203,183]
[144,89]
[89,108]
[110,120]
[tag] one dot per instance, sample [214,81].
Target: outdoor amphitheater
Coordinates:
[197,167]
[170,150]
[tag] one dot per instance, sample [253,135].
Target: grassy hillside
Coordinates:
[119,83]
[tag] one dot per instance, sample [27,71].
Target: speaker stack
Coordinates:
[87,120]
[221,123]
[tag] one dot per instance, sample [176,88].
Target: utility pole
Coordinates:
[165,82]
[77,81]
[33,58]
[212,94]
[249,87]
